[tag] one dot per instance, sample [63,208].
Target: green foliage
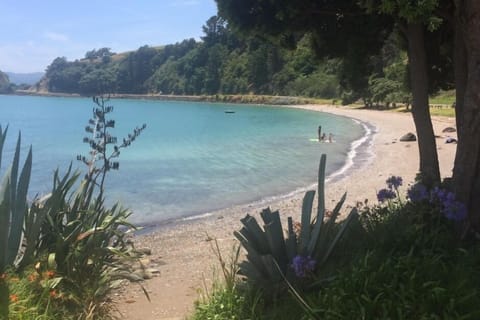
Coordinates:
[230,298]
[406,286]
[85,242]
[419,270]
[101,158]
[271,257]
[13,207]
[13,204]
[78,246]
[411,11]
[224,300]
[445,98]
[223,63]
[442,111]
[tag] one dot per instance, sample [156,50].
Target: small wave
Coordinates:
[196,217]
[359,154]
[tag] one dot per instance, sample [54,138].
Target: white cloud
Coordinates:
[55,36]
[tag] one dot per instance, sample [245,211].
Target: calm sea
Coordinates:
[193,158]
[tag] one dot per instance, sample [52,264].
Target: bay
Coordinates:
[193,158]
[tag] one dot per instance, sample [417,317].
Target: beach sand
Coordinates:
[182,251]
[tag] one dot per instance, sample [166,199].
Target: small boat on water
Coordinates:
[229,111]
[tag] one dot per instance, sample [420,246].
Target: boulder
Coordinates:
[449,129]
[408,137]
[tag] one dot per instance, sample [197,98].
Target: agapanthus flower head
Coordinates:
[394,182]
[451,208]
[386,194]
[454,210]
[439,194]
[418,192]
[303,266]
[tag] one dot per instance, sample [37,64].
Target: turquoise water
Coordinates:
[192,158]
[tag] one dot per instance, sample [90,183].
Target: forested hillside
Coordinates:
[225,62]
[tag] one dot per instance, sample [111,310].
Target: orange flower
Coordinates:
[32,277]
[13,298]
[53,293]
[50,274]
[3,276]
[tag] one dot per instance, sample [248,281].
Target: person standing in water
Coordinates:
[319,133]
[330,137]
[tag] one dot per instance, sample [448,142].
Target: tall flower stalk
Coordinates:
[102,158]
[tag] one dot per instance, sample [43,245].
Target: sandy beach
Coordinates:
[182,253]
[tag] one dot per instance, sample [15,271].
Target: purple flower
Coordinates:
[451,208]
[454,210]
[441,195]
[385,194]
[303,266]
[394,182]
[418,193]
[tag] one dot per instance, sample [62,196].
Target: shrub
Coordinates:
[78,246]
[13,207]
[414,268]
[273,262]
[404,286]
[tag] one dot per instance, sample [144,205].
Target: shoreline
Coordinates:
[183,254]
[220,98]
[358,156]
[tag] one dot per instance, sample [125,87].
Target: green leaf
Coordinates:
[20,207]
[353,214]
[3,135]
[4,220]
[306,220]
[321,206]
[275,238]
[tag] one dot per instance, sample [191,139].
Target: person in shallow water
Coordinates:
[320,133]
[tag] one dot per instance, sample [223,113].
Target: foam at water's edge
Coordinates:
[360,152]
[359,155]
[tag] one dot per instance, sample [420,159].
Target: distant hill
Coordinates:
[25,78]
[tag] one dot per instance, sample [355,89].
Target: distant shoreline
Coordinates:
[223,98]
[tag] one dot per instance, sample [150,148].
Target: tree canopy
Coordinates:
[429,28]
[227,61]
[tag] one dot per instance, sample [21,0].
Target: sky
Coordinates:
[33,33]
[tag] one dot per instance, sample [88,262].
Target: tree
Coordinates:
[414,18]
[355,33]
[339,28]
[466,173]
[98,81]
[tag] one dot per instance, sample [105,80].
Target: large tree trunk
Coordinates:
[466,173]
[429,169]
[460,66]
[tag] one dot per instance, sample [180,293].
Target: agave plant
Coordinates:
[13,206]
[273,258]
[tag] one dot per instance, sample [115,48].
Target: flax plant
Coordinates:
[86,241]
